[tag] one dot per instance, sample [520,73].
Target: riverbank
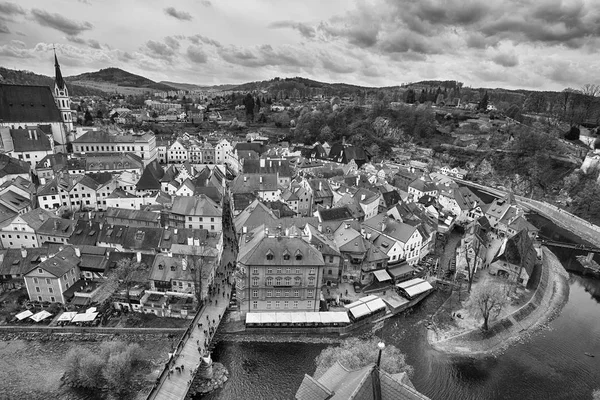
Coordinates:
[550,297]
[32,364]
[275,338]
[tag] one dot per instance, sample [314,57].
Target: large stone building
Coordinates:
[142,144]
[278,271]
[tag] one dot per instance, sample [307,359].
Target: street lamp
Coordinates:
[381,346]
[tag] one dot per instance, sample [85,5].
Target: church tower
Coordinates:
[61,96]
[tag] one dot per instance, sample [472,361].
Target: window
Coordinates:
[268,305]
[278,281]
[310,293]
[52,299]
[269,256]
[277,304]
[255,270]
[298,256]
[330,259]
[312,271]
[288,281]
[286,304]
[309,304]
[269,270]
[35,280]
[255,305]
[255,293]
[278,270]
[48,281]
[269,281]
[296,293]
[254,282]
[41,271]
[39,298]
[286,256]
[286,293]
[50,290]
[297,270]
[297,281]
[295,303]
[269,293]
[278,293]
[37,289]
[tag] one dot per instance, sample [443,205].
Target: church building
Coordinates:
[28,107]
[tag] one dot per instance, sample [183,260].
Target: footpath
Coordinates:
[551,295]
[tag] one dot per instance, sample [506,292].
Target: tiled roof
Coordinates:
[23,103]
[60,264]
[37,217]
[199,206]
[150,179]
[106,137]
[250,183]
[254,215]
[57,227]
[134,215]
[337,213]
[24,143]
[13,166]
[271,166]
[311,389]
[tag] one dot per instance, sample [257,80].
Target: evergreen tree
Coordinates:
[249,105]
[410,96]
[423,97]
[483,103]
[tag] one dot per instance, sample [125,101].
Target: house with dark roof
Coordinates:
[342,153]
[122,216]
[282,272]
[112,162]
[30,145]
[516,259]
[22,106]
[141,144]
[342,213]
[151,177]
[12,168]
[322,195]
[196,213]
[49,166]
[332,258]
[15,263]
[125,238]
[48,280]
[263,186]
[267,165]
[256,214]
[55,230]
[85,232]
[366,383]
[20,231]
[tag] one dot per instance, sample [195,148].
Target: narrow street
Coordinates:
[175,384]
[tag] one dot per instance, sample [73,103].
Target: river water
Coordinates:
[550,364]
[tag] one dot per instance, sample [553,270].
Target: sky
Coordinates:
[529,44]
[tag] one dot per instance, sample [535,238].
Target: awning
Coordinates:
[368,298]
[326,318]
[298,318]
[376,305]
[22,315]
[40,316]
[90,310]
[313,317]
[360,311]
[410,283]
[253,318]
[267,318]
[283,318]
[340,317]
[382,275]
[353,304]
[67,316]
[84,317]
[400,270]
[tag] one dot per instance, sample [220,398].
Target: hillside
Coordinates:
[118,77]
[29,78]
[306,87]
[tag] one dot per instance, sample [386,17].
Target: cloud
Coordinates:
[196,54]
[506,59]
[7,8]
[60,23]
[305,30]
[265,55]
[14,51]
[172,42]
[4,28]
[94,44]
[206,3]
[180,15]
[159,49]
[197,39]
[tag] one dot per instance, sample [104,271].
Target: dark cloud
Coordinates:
[197,39]
[60,23]
[4,28]
[262,56]
[75,39]
[361,34]
[172,42]
[506,59]
[10,50]
[336,66]
[94,44]
[196,54]
[407,41]
[125,56]
[305,30]
[158,49]
[206,3]
[180,15]
[7,8]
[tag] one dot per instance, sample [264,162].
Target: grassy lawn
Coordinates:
[138,320]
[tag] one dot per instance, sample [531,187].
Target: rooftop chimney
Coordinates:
[23,252]
[320,227]
[77,252]
[320,186]
[362,197]
[245,178]
[261,179]
[262,162]
[190,241]
[138,256]
[184,263]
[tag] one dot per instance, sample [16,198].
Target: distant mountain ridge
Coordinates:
[20,77]
[118,77]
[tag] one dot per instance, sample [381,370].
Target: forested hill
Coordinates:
[119,77]
[304,86]
[19,77]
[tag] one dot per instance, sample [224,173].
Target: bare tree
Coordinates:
[589,89]
[198,263]
[127,272]
[487,302]
[472,263]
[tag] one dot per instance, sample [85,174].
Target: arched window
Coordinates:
[269,282]
[288,281]
[278,281]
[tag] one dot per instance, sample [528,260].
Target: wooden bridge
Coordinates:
[575,246]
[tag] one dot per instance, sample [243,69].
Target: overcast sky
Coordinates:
[533,44]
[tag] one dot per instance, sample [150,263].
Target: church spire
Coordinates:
[58,79]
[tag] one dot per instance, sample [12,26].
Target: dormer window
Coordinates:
[270,255]
[172,268]
[298,256]
[286,255]
[160,266]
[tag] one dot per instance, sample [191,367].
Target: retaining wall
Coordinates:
[87,330]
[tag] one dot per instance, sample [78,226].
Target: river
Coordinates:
[551,364]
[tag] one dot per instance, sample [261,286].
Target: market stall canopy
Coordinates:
[382,275]
[84,317]
[40,316]
[67,316]
[22,315]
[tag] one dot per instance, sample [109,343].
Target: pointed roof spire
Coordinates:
[58,79]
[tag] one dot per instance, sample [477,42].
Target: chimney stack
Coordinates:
[320,186]
[23,252]
[261,179]
[320,227]
[77,252]
[138,256]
